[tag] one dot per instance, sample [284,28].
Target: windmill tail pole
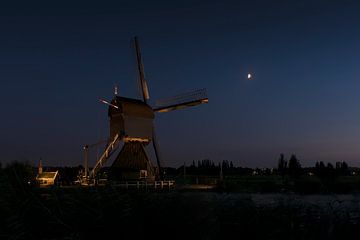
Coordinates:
[157,155]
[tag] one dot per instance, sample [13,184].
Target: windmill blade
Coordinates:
[140,66]
[181,101]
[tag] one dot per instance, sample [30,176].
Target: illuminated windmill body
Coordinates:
[132,121]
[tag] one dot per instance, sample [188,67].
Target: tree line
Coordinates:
[285,167]
[293,167]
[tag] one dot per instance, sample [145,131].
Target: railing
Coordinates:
[144,184]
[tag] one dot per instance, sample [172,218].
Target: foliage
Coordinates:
[282,164]
[294,166]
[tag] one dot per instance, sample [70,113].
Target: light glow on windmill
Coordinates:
[106,102]
[249,76]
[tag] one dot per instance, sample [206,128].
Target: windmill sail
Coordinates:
[181,101]
[145,95]
[143,84]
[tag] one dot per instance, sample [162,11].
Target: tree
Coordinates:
[231,164]
[282,164]
[320,169]
[344,168]
[225,164]
[338,165]
[19,172]
[294,166]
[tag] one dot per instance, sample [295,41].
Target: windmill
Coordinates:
[132,122]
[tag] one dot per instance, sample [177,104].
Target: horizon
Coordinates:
[34,164]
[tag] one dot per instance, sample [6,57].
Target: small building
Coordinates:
[47,178]
[44,178]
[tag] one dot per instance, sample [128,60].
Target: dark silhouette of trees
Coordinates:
[342,168]
[294,166]
[209,167]
[19,174]
[329,171]
[282,165]
[330,166]
[206,164]
[226,164]
[320,169]
[204,167]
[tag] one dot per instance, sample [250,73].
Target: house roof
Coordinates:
[51,175]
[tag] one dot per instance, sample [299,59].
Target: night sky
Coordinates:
[57,59]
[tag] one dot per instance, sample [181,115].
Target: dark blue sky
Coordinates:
[57,59]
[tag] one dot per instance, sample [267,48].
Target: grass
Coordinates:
[105,212]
